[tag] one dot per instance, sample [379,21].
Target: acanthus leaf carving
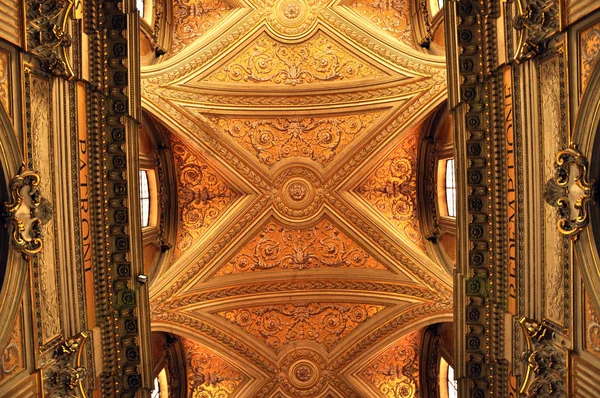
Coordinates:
[537,22]
[64,376]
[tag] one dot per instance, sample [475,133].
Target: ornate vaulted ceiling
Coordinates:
[299,263]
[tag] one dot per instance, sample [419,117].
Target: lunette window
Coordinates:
[450,188]
[144,198]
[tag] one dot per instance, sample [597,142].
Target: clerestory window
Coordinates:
[144,198]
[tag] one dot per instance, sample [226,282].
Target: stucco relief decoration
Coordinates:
[315,138]
[318,59]
[391,189]
[589,44]
[304,373]
[42,147]
[202,196]
[193,18]
[536,22]
[545,359]
[13,356]
[592,327]
[571,191]
[277,247]
[210,376]
[324,323]
[47,33]
[391,16]
[64,377]
[395,372]
[4,82]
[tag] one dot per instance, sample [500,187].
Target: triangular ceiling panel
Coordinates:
[210,375]
[312,137]
[279,324]
[390,17]
[391,189]
[202,195]
[317,60]
[276,247]
[193,19]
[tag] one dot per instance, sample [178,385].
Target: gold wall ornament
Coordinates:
[592,326]
[315,138]
[64,376]
[193,19]
[4,81]
[279,248]
[571,191]
[47,34]
[12,359]
[391,17]
[21,212]
[209,375]
[537,21]
[324,323]
[202,195]
[589,49]
[546,362]
[318,59]
[391,189]
[395,372]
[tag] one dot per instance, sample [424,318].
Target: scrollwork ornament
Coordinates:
[571,191]
[63,378]
[546,363]
[537,21]
[21,212]
[47,34]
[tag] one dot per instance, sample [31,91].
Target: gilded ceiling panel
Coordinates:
[324,323]
[392,188]
[319,59]
[395,372]
[193,19]
[315,138]
[592,327]
[389,16]
[202,195]
[209,375]
[320,246]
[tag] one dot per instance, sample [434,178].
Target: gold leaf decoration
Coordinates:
[395,373]
[325,323]
[12,360]
[589,43]
[210,376]
[202,196]
[193,18]
[4,82]
[277,247]
[390,16]
[592,327]
[318,59]
[392,188]
[316,138]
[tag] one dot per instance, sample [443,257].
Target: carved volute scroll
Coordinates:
[546,362]
[22,212]
[47,34]
[571,191]
[63,378]
[537,22]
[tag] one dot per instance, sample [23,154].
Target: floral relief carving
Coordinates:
[4,82]
[325,323]
[277,247]
[391,189]
[391,16]
[193,18]
[41,141]
[13,360]
[592,327]
[316,138]
[395,372]
[317,60]
[589,44]
[210,376]
[202,196]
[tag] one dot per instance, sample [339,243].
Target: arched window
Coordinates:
[144,198]
[450,188]
[448,385]
[161,387]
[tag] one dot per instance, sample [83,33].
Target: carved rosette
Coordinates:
[303,373]
[64,377]
[300,195]
[22,214]
[47,34]
[571,191]
[546,363]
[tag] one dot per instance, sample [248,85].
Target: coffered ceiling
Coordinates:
[300,264]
